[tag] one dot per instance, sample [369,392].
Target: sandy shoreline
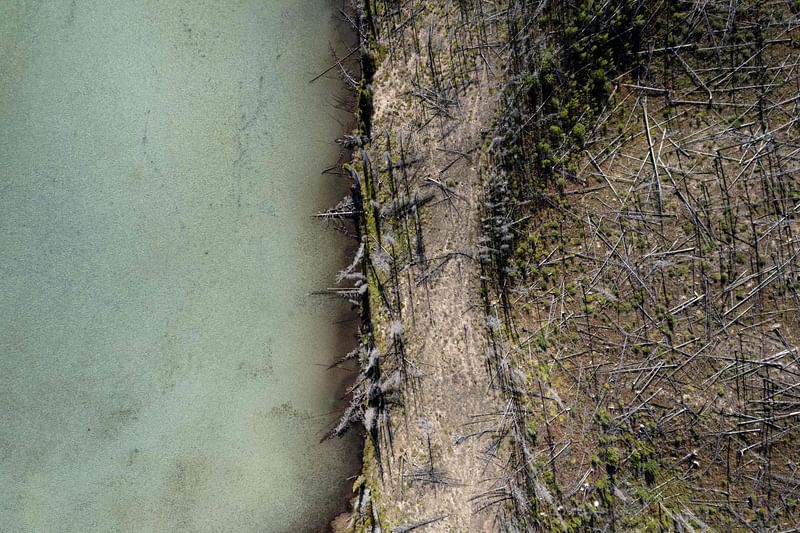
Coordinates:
[427,329]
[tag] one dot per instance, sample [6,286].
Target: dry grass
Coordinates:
[652,325]
[613,346]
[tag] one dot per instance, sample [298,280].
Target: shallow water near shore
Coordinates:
[162,365]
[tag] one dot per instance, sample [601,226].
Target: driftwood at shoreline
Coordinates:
[418,525]
[338,214]
[404,204]
[335,65]
[348,292]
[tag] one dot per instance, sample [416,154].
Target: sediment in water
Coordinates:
[163,365]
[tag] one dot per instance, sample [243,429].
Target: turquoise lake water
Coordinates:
[162,366]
